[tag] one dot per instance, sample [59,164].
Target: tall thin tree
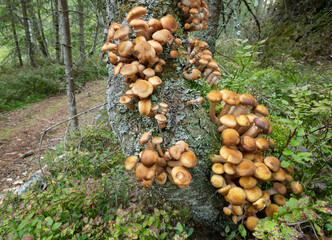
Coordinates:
[12,20]
[28,41]
[81,24]
[68,59]
[55,15]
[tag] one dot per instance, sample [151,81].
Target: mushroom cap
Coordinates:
[155,24]
[183,144]
[188,159]
[263,124]
[136,12]
[130,162]
[280,188]
[230,137]
[248,99]
[218,168]
[161,178]
[246,168]
[145,138]
[176,151]
[125,48]
[169,22]
[125,99]
[181,176]
[224,190]
[231,98]
[156,46]
[229,168]
[259,204]
[109,47]
[236,196]
[272,144]
[144,173]
[251,222]
[243,121]
[148,72]
[253,194]
[258,157]
[231,155]
[129,70]
[157,140]
[279,175]
[247,182]
[144,107]
[146,183]
[155,81]
[117,68]
[237,210]
[121,33]
[149,157]
[160,118]
[271,209]
[142,88]
[262,144]
[163,105]
[288,177]
[217,181]
[262,110]
[247,144]
[144,52]
[163,36]
[228,120]
[214,96]
[112,58]
[296,187]
[251,117]
[139,24]
[139,39]
[227,211]
[262,172]
[249,156]
[273,163]
[279,199]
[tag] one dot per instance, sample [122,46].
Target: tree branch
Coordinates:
[256,19]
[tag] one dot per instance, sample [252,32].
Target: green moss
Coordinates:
[279,134]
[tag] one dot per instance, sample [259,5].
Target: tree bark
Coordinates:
[81,34]
[55,14]
[17,46]
[28,41]
[188,123]
[211,34]
[42,28]
[68,59]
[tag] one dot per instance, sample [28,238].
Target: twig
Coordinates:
[225,56]
[256,20]
[224,69]
[288,141]
[320,169]
[57,124]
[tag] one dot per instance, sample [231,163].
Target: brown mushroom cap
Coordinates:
[279,175]
[279,199]
[149,157]
[217,181]
[155,81]
[176,151]
[224,190]
[262,144]
[145,138]
[262,123]
[136,12]
[247,144]
[273,163]
[125,48]
[129,70]
[296,187]
[144,107]
[188,159]
[253,194]
[229,168]
[130,162]
[181,176]
[231,155]
[144,52]
[142,88]
[271,209]
[230,137]
[251,222]
[169,22]
[247,182]
[236,196]
[144,173]
[163,36]
[246,168]
[146,183]
[139,24]
[231,98]
[161,178]
[228,120]
[121,33]
[280,188]
[218,168]
[248,99]
[262,172]
[261,110]
[243,121]
[148,72]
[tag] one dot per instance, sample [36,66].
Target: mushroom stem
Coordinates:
[225,110]
[198,100]
[241,110]
[212,111]
[217,159]
[252,131]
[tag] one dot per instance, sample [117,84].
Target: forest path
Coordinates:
[20,130]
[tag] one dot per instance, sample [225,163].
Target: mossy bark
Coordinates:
[190,124]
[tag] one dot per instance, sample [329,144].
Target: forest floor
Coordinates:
[20,130]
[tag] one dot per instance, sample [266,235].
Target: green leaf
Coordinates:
[56,226]
[227,229]
[179,227]
[242,231]
[190,232]
[49,221]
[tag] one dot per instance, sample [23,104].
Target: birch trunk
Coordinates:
[188,123]
[68,59]
[27,34]
[55,14]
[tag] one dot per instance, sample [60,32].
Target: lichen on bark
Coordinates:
[188,123]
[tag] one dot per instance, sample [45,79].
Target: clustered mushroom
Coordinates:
[158,165]
[243,162]
[136,56]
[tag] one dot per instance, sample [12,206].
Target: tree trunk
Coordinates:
[17,46]
[36,30]
[81,24]
[68,59]
[211,34]
[27,34]
[55,14]
[188,123]
[42,28]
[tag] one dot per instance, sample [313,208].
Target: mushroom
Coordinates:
[164,108]
[214,97]
[261,124]
[136,13]
[231,99]
[277,188]
[279,199]
[142,88]
[188,159]
[262,172]
[144,173]
[163,36]
[169,22]
[251,222]
[296,187]
[247,144]
[227,121]
[236,196]
[198,100]
[253,194]
[271,209]
[161,119]
[247,102]
[145,140]
[125,100]
[161,178]
[194,75]
[218,168]
[181,177]
[231,155]
[246,168]
[273,163]
[261,111]
[131,162]
[217,181]
[157,141]
[144,107]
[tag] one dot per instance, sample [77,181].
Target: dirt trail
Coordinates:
[20,130]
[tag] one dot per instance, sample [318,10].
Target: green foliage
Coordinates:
[292,214]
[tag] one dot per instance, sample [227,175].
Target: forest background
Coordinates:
[280,51]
